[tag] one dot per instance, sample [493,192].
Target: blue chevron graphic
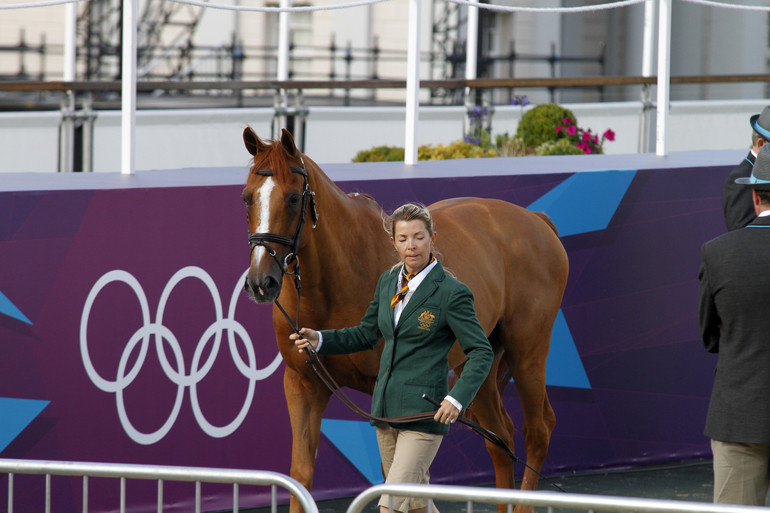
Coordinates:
[16,415]
[584,202]
[564,367]
[357,440]
[9,309]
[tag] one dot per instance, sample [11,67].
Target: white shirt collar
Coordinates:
[413,284]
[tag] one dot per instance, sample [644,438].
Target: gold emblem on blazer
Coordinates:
[426,320]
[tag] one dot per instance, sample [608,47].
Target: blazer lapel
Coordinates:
[423,292]
[385,297]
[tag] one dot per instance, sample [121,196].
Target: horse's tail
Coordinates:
[548,221]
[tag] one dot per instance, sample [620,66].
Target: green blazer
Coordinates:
[414,359]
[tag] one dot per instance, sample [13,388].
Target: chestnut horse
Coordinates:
[511,259]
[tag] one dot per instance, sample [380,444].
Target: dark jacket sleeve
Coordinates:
[708,317]
[464,323]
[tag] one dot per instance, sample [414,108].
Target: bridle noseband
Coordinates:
[263,239]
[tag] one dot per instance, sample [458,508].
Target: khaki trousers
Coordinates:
[406,457]
[741,473]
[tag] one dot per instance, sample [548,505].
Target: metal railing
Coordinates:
[541,499]
[478,83]
[154,472]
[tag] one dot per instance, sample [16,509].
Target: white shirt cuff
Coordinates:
[320,341]
[454,402]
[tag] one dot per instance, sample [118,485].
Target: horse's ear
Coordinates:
[253,144]
[288,142]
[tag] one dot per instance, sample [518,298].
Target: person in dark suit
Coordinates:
[420,310]
[734,319]
[736,199]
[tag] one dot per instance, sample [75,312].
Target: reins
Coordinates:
[263,239]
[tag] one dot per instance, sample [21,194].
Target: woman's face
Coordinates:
[413,244]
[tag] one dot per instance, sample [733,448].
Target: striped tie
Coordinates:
[404,289]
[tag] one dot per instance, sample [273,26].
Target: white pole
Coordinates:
[648,69]
[471,63]
[280,117]
[664,74]
[648,43]
[283,41]
[472,43]
[67,131]
[412,83]
[128,88]
[70,40]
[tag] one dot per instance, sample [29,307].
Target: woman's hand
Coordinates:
[447,413]
[307,337]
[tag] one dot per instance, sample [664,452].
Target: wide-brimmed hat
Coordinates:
[760,174]
[761,123]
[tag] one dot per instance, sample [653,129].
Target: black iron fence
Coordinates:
[193,63]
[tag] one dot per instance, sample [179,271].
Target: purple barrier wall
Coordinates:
[92,269]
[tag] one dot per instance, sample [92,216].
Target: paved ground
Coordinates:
[690,481]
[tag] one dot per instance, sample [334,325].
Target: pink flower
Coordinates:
[586,136]
[609,135]
[566,121]
[571,130]
[558,129]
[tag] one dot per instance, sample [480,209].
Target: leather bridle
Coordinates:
[263,239]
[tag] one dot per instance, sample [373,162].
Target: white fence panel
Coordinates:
[542,499]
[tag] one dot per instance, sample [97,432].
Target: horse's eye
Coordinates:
[293,200]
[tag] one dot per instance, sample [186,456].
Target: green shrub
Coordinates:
[380,154]
[508,146]
[559,147]
[456,150]
[539,124]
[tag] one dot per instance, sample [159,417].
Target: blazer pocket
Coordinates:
[411,397]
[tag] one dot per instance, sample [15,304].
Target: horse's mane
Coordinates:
[273,157]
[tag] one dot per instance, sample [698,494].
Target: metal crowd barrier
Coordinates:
[154,472]
[543,499]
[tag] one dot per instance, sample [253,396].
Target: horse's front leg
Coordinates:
[306,398]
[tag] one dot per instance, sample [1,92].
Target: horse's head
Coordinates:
[277,197]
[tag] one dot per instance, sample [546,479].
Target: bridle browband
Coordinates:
[263,239]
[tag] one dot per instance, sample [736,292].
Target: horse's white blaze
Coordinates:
[263,195]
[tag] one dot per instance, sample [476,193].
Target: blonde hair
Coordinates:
[410,212]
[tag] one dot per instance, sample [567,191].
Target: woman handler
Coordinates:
[420,310]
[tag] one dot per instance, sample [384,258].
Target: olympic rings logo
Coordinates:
[175,371]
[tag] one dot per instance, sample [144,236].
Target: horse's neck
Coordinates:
[343,256]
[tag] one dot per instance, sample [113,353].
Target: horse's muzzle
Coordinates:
[262,288]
